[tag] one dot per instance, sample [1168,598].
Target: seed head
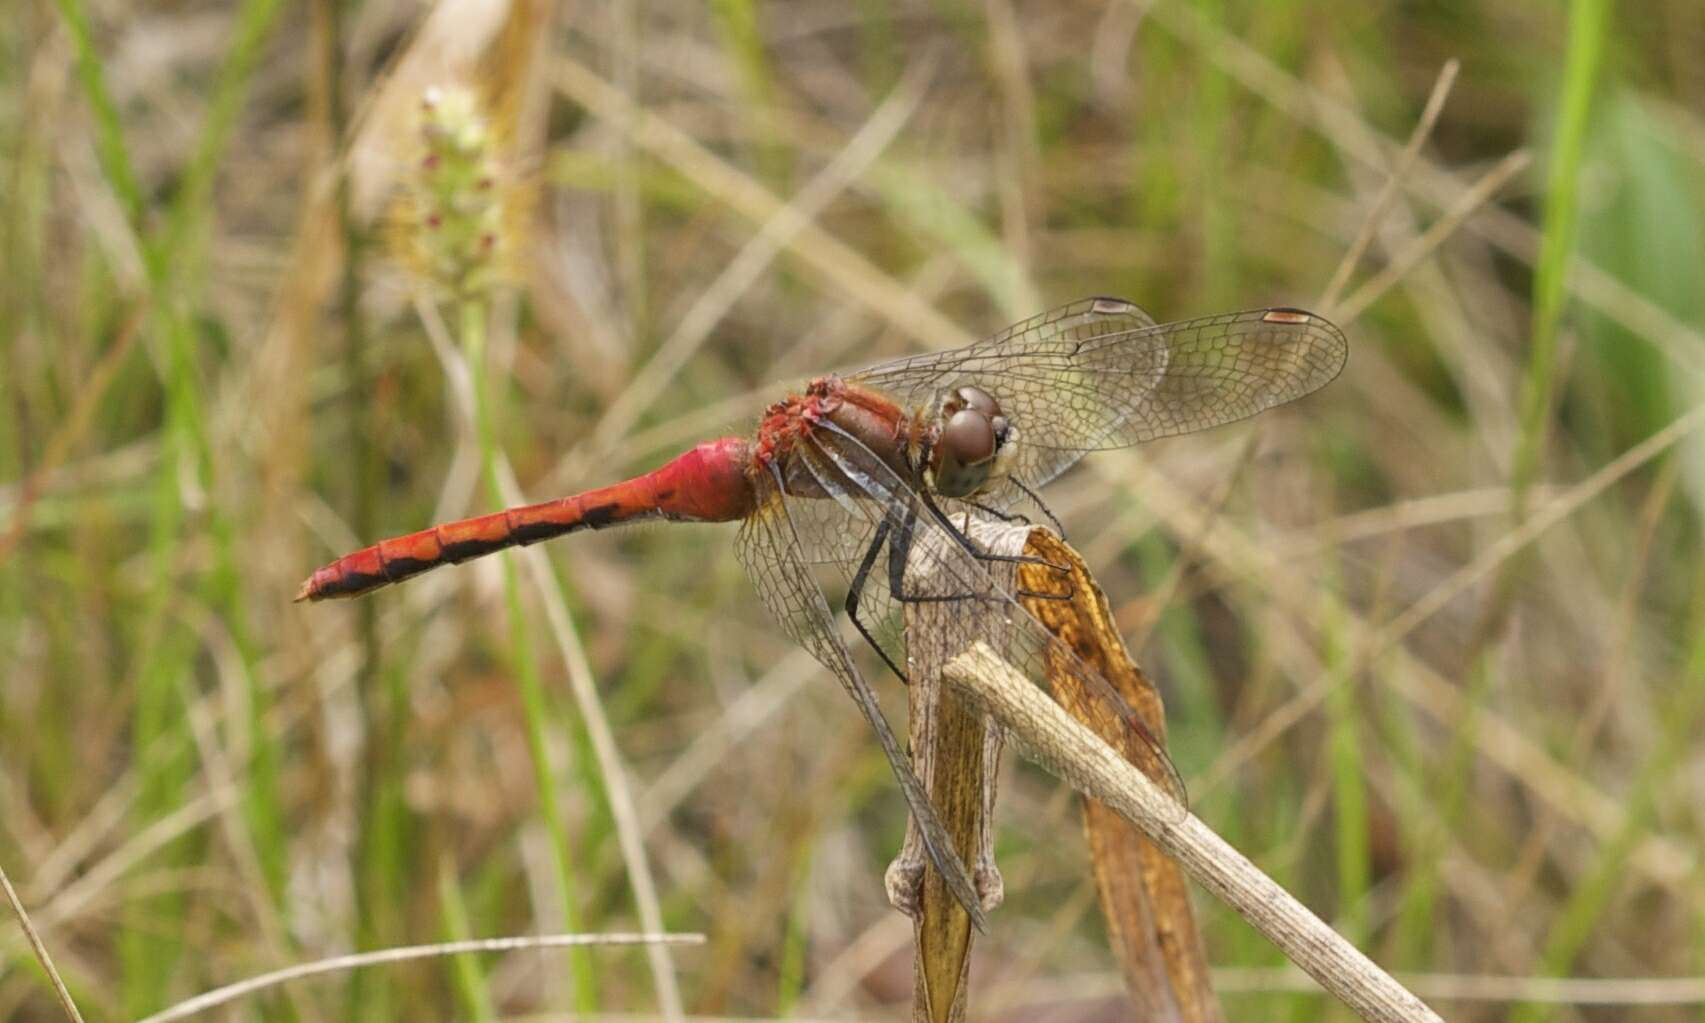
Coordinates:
[455,221]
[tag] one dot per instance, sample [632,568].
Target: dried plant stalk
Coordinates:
[956,751]
[1076,754]
[1143,895]
[1142,891]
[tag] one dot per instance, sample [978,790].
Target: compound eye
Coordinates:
[968,437]
[979,399]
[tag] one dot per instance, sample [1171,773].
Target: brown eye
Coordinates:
[979,399]
[968,438]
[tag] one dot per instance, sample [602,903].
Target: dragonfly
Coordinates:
[878,473]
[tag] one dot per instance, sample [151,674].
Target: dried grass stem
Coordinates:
[1071,751]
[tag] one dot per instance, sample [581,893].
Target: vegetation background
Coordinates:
[1433,640]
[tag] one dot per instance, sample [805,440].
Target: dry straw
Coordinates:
[243,988]
[1052,738]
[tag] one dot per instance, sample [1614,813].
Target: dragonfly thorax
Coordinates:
[971,442]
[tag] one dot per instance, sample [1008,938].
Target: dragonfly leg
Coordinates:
[1071,591]
[1023,520]
[971,546]
[899,553]
[855,591]
[1036,499]
[900,556]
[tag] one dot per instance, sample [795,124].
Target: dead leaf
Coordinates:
[1143,896]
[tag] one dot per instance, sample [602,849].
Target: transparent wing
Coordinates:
[771,549]
[926,559]
[868,573]
[1100,373]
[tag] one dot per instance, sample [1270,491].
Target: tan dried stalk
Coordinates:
[956,751]
[1145,899]
[1068,749]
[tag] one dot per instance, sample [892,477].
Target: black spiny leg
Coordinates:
[971,547]
[856,590]
[1007,517]
[899,538]
[1036,499]
[900,554]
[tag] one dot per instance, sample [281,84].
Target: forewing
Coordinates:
[914,378]
[938,563]
[1100,373]
[770,548]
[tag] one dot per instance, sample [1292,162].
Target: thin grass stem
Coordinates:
[39,947]
[242,989]
[468,975]
[472,321]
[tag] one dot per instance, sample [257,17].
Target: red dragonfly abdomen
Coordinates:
[707,484]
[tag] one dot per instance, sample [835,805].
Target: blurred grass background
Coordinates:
[1433,640]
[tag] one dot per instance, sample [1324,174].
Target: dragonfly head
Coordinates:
[974,442]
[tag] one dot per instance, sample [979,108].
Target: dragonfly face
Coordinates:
[973,443]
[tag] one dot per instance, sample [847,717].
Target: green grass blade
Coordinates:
[109,133]
[1577,921]
[469,976]
[535,706]
[1588,28]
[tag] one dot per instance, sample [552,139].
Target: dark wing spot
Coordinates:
[1107,305]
